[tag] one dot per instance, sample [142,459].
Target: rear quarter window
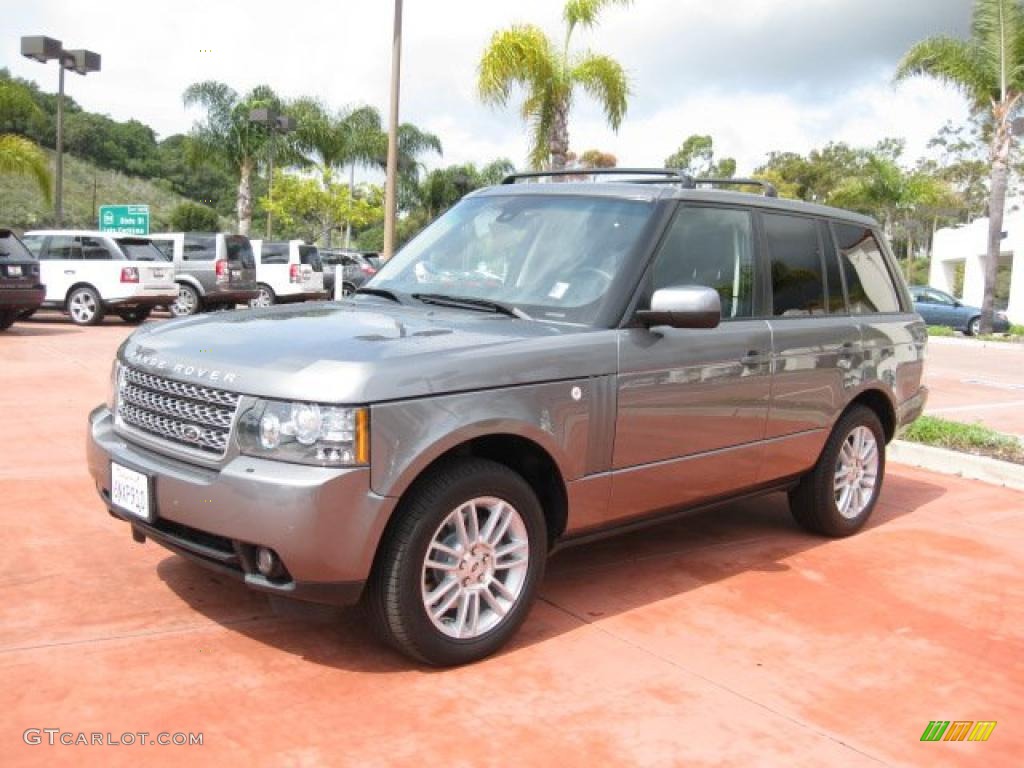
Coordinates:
[798,280]
[274,253]
[200,248]
[869,283]
[11,247]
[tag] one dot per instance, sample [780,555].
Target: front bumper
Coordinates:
[22,298]
[324,524]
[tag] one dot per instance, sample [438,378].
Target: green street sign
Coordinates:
[130,219]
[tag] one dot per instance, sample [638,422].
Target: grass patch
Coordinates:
[940,330]
[966,438]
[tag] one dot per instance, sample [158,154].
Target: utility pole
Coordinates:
[391,186]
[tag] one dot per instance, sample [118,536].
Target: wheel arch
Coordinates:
[191,282]
[881,403]
[80,284]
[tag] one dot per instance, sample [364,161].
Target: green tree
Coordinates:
[20,155]
[308,208]
[229,136]
[696,156]
[193,217]
[443,187]
[524,55]
[988,69]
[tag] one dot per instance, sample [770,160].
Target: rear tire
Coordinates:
[264,298]
[188,302]
[426,593]
[136,316]
[836,498]
[7,320]
[84,306]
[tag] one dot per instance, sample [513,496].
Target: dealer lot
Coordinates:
[726,638]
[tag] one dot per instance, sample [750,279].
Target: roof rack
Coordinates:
[661,176]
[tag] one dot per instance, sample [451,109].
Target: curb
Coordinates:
[964,341]
[966,465]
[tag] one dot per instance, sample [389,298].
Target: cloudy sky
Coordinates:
[756,74]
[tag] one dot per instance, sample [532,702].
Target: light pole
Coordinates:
[276,124]
[391,186]
[43,49]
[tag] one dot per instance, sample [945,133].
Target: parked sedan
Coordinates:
[939,308]
[20,289]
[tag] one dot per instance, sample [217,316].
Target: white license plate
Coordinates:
[159,274]
[14,270]
[129,491]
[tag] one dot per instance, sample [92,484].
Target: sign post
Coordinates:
[130,219]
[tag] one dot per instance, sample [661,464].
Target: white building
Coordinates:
[967,245]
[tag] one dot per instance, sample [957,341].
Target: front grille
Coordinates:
[185,414]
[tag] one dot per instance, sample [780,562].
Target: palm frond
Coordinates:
[997,27]
[584,13]
[604,79]
[23,157]
[521,55]
[958,63]
[541,119]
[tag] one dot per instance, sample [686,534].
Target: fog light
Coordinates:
[266,561]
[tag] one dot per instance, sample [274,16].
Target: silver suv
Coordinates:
[544,364]
[213,270]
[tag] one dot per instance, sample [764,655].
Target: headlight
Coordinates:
[115,377]
[306,433]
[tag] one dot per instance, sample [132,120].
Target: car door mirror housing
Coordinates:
[684,306]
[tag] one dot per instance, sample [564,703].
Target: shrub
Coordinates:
[193,217]
[940,330]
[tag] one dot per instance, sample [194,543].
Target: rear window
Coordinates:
[274,253]
[166,247]
[240,250]
[34,243]
[869,284]
[140,250]
[11,247]
[308,254]
[200,248]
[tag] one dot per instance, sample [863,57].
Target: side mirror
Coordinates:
[685,306]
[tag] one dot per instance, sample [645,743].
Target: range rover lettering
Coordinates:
[544,364]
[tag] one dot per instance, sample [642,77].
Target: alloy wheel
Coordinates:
[856,472]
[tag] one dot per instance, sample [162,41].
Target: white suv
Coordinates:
[89,273]
[287,271]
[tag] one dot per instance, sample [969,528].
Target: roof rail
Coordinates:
[673,175]
[661,176]
[768,187]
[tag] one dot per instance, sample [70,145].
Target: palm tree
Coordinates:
[524,55]
[228,135]
[988,69]
[20,156]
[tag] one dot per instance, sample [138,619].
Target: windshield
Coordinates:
[11,247]
[554,257]
[140,250]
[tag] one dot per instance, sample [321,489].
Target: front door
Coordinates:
[693,404]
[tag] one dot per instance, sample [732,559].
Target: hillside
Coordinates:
[22,207]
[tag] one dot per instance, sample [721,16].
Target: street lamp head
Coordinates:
[262,115]
[285,124]
[82,61]
[40,48]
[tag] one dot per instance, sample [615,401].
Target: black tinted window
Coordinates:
[274,253]
[63,247]
[308,254]
[200,248]
[11,247]
[798,285]
[712,247]
[868,281]
[95,249]
[240,250]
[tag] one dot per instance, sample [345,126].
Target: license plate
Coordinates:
[236,274]
[129,491]
[159,274]
[14,270]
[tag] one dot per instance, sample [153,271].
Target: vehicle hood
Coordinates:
[366,351]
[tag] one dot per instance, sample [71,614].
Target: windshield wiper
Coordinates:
[471,302]
[382,292]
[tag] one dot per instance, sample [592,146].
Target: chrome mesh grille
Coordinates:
[185,414]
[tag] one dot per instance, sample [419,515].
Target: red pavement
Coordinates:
[728,638]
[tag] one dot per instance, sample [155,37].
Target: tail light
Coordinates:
[295,274]
[221,267]
[129,274]
[367,269]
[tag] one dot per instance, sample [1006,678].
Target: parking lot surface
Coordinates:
[727,638]
[977,383]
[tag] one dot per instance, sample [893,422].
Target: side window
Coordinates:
[712,247]
[63,247]
[798,282]
[199,248]
[274,253]
[94,249]
[868,281]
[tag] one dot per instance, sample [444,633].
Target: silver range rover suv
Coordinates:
[545,363]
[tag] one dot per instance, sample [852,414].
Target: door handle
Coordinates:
[69,271]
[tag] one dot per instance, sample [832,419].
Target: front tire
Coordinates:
[456,576]
[264,298]
[85,307]
[836,498]
[974,327]
[7,320]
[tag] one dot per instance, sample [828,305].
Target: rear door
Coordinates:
[272,268]
[816,344]
[312,269]
[18,267]
[241,263]
[154,268]
[199,256]
[60,262]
